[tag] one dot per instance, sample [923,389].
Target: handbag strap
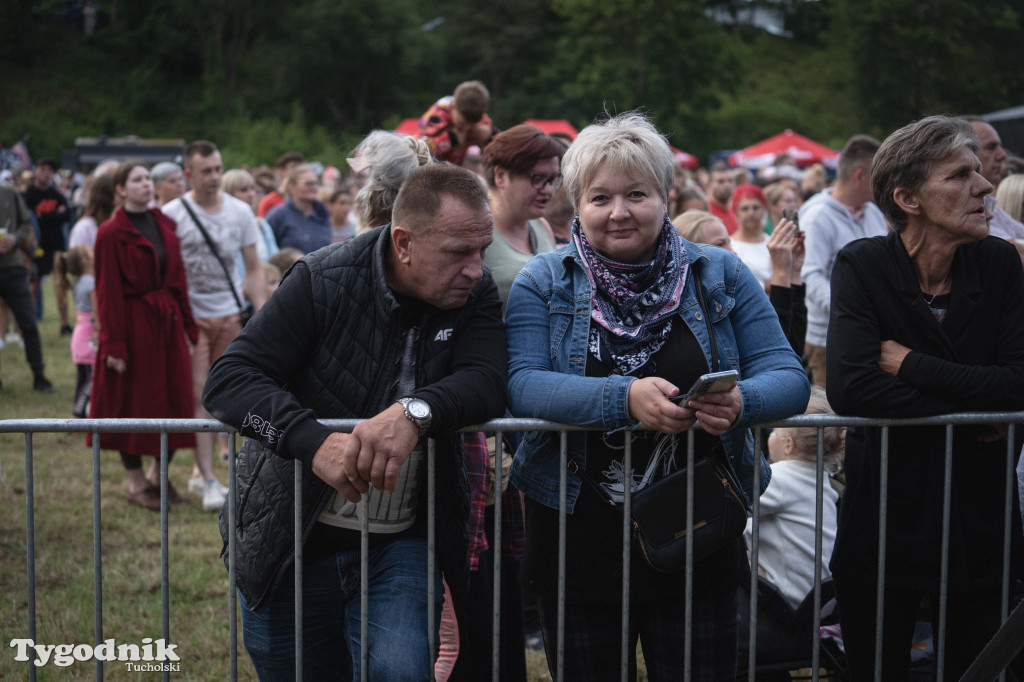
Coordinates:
[702,300]
[209,242]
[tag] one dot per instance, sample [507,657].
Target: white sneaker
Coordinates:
[196,485]
[15,338]
[213,496]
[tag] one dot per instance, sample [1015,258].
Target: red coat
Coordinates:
[143,320]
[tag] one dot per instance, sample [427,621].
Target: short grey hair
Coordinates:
[628,143]
[906,158]
[162,170]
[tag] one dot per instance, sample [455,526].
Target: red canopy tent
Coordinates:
[554,125]
[683,159]
[803,150]
[408,126]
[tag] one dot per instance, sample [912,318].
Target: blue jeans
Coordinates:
[396,618]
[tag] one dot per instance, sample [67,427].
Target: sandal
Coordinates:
[173,496]
[146,498]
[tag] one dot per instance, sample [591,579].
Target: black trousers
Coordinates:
[971,619]
[15,292]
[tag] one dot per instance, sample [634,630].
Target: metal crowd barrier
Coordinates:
[498,426]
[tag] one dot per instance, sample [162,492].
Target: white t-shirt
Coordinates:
[756,257]
[84,232]
[233,228]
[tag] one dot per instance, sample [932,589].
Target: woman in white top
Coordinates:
[99,206]
[749,241]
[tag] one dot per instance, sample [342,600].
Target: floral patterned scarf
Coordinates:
[633,304]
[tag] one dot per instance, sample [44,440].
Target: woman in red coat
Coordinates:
[142,366]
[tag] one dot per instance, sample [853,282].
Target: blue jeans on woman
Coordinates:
[396,618]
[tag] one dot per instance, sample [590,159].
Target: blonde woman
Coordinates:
[302,221]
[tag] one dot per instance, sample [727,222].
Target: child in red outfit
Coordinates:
[457,122]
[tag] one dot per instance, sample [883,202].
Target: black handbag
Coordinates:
[658,512]
[245,311]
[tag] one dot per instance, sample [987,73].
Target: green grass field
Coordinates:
[62,470]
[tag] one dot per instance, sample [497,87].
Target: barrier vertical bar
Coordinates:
[627,503]
[947,493]
[883,493]
[165,581]
[688,571]
[431,544]
[97,552]
[754,550]
[297,529]
[30,546]
[496,592]
[819,524]
[563,482]
[364,587]
[1007,525]
[232,595]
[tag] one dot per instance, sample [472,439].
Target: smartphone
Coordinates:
[791,215]
[715,382]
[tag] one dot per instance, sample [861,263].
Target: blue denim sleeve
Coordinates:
[547,355]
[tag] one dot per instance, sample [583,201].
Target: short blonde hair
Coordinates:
[1010,196]
[805,439]
[690,225]
[628,143]
[236,179]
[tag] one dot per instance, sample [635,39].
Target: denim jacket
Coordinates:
[547,324]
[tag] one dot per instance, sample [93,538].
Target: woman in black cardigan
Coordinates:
[927,320]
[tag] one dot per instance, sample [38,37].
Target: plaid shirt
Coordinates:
[478,462]
[478,468]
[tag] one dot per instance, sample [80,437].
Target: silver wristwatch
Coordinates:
[418,412]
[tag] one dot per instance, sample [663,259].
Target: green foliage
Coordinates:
[317,75]
[910,59]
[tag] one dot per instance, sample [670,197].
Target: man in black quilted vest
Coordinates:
[400,326]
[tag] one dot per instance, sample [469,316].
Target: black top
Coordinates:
[47,205]
[145,223]
[594,531]
[972,361]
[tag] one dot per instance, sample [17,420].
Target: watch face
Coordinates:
[418,409]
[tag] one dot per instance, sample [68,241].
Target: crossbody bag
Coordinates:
[244,309]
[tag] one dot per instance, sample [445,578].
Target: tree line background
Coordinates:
[260,77]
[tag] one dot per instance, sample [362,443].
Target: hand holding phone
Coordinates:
[714,382]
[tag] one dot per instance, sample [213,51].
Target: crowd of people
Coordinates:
[470,272]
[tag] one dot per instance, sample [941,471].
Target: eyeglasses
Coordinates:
[537,181]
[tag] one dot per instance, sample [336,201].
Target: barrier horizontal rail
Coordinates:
[166,426]
[504,424]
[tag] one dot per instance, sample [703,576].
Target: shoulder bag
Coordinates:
[244,309]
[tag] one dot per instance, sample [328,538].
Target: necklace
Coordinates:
[930,298]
